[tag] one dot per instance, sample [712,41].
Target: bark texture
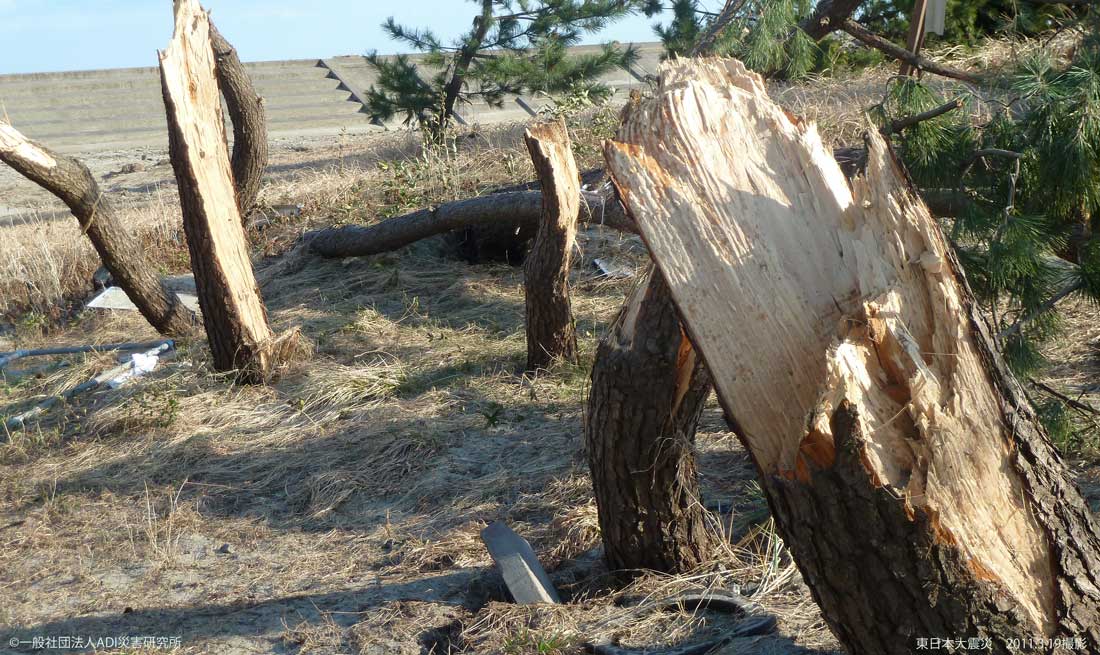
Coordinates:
[233,312]
[551,334]
[648,389]
[73,184]
[914,60]
[246,113]
[828,16]
[902,463]
[517,209]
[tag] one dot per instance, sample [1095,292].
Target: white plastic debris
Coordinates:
[140,364]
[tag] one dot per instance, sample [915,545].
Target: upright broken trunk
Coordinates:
[121,254]
[906,471]
[246,113]
[233,312]
[648,390]
[551,334]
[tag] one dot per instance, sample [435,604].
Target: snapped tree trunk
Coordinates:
[246,113]
[905,469]
[233,312]
[121,254]
[648,390]
[551,334]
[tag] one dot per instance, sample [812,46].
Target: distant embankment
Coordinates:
[122,108]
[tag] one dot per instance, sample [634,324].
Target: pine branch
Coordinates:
[1039,311]
[909,121]
[895,51]
[1076,404]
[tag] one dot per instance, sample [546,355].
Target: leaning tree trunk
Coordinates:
[70,181]
[246,113]
[906,471]
[551,334]
[648,390]
[233,311]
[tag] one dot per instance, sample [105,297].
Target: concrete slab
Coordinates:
[116,298]
[524,576]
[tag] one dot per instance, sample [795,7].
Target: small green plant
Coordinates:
[492,413]
[529,643]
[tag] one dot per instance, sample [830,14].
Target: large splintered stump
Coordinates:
[233,312]
[905,469]
[551,334]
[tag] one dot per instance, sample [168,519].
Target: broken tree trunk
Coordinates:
[246,113]
[121,254]
[551,334]
[648,390]
[902,462]
[233,312]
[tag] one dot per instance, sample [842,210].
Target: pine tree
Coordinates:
[512,47]
[762,33]
[965,22]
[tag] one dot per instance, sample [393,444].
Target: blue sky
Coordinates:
[51,35]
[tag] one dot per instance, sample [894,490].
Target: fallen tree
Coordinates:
[514,208]
[515,213]
[902,462]
[233,311]
[72,182]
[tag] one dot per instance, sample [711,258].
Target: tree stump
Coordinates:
[904,467]
[233,311]
[551,334]
[648,389]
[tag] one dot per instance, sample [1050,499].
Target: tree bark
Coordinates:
[246,113]
[891,49]
[902,462]
[517,209]
[828,16]
[233,312]
[648,391]
[73,184]
[551,334]
[452,90]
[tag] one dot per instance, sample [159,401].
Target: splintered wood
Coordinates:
[813,303]
[233,312]
[551,334]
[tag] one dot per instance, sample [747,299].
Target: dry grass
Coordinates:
[337,510]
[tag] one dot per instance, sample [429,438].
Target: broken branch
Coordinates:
[909,121]
[875,41]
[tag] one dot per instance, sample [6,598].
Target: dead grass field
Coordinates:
[338,510]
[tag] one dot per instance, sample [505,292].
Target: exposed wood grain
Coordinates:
[551,334]
[844,349]
[233,312]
